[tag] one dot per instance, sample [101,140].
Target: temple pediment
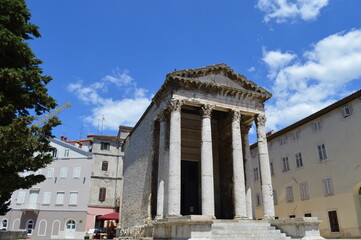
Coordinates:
[218,78]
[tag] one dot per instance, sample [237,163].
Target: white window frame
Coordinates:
[30,229]
[285,164]
[63,172]
[105,146]
[321,152]
[304,191]
[21,197]
[346,111]
[77,172]
[299,160]
[316,126]
[327,186]
[60,198]
[50,173]
[73,198]
[295,135]
[46,198]
[283,140]
[289,194]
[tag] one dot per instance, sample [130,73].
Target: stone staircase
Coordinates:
[245,230]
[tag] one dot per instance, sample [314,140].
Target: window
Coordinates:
[21,197]
[289,194]
[76,172]
[275,199]
[104,146]
[332,216]
[70,224]
[55,153]
[295,136]
[271,168]
[29,227]
[258,200]
[285,165]
[73,200]
[327,186]
[299,162]
[292,216]
[4,224]
[282,141]
[63,172]
[321,150]
[46,198]
[102,194]
[255,174]
[66,152]
[308,215]
[316,126]
[59,198]
[105,166]
[50,173]
[304,191]
[346,111]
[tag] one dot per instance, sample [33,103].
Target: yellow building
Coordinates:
[316,169]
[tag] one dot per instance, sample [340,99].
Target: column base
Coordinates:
[268,217]
[241,218]
[158,217]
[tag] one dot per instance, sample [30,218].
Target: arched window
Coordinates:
[105,166]
[4,224]
[30,226]
[70,224]
[102,194]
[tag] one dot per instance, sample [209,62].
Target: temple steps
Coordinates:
[245,230]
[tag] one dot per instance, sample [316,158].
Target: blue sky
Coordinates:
[108,58]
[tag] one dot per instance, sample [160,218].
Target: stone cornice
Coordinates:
[187,79]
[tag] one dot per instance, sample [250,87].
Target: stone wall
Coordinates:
[12,235]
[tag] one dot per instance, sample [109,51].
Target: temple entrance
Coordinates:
[190,197]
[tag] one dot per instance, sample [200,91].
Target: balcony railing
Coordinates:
[29,206]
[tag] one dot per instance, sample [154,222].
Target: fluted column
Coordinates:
[174,181]
[238,169]
[161,166]
[249,170]
[207,162]
[267,191]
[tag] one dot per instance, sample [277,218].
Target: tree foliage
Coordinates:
[23,96]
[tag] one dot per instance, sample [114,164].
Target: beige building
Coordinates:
[316,169]
[187,169]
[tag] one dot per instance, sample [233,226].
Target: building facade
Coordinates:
[57,207]
[316,169]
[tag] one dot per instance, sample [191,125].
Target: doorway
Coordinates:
[190,195]
[70,229]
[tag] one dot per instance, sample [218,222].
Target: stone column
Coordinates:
[267,191]
[161,166]
[238,170]
[207,162]
[249,170]
[174,177]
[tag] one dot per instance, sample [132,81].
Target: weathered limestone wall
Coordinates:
[137,171]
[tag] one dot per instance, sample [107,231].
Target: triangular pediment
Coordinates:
[219,75]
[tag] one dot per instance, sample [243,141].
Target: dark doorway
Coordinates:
[332,215]
[190,204]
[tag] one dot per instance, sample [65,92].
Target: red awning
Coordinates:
[110,216]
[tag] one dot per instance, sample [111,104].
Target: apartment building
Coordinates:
[57,207]
[316,169]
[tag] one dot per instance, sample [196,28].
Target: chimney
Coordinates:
[62,138]
[65,139]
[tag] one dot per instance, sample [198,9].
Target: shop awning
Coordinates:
[110,216]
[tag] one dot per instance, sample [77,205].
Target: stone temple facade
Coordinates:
[187,169]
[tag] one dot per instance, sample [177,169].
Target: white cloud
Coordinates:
[123,111]
[251,69]
[314,80]
[283,10]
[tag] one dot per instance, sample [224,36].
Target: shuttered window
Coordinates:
[76,173]
[46,197]
[105,166]
[102,194]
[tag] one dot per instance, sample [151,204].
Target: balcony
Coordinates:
[29,206]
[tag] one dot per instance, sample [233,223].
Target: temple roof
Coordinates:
[218,78]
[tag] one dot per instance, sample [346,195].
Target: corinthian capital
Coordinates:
[161,116]
[206,110]
[260,120]
[175,105]
[245,128]
[236,116]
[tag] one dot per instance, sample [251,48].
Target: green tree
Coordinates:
[23,96]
